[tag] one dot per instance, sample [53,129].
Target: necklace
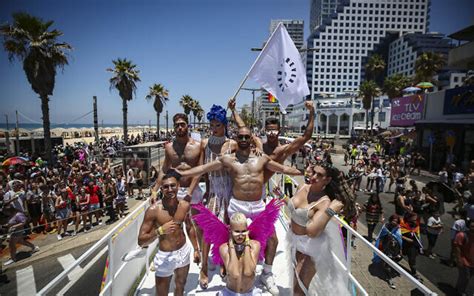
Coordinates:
[216,140]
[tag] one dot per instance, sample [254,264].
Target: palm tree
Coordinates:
[124,80]
[186,103]
[30,41]
[160,96]
[195,107]
[394,85]
[368,90]
[200,114]
[374,68]
[427,65]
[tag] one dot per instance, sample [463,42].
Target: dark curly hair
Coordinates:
[339,189]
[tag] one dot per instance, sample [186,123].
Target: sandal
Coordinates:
[197,259]
[203,283]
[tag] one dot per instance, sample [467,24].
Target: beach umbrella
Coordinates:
[411,89]
[14,161]
[425,85]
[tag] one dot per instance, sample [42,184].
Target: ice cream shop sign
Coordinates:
[407,110]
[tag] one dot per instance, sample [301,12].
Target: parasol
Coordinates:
[411,89]
[14,161]
[425,85]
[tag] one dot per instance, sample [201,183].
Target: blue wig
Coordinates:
[217,113]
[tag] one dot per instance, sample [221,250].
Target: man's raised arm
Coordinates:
[202,169]
[235,114]
[279,168]
[308,133]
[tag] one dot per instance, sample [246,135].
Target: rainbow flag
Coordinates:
[271,98]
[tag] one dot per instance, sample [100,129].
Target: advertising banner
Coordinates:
[459,100]
[407,110]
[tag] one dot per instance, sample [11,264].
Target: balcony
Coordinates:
[462,57]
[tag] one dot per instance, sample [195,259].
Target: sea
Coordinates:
[32,126]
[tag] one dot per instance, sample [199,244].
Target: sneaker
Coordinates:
[152,267]
[85,230]
[100,222]
[392,284]
[60,237]
[269,282]
[139,252]
[35,249]
[9,262]
[418,277]
[74,233]
[432,256]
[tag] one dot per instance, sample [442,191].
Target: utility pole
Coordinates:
[17,135]
[96,122]
[7,135]
[166,124]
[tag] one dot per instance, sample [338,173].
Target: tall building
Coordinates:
[404,51]
[320,10]
[345,39]
[295,29]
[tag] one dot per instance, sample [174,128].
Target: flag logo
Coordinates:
[287,74]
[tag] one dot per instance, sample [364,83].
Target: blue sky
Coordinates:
[195,47]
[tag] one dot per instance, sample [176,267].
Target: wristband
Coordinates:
[160,231]
[330,212]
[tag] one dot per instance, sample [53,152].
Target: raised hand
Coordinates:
[169,227]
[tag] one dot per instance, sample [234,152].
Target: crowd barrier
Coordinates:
[119,276]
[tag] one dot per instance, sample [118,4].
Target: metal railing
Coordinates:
[98,246]
[351,232]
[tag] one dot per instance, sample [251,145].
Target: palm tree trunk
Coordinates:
[46,128]
[366,120]
[125,126]
[372,118]
[158,124]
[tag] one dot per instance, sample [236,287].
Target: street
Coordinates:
[436,270]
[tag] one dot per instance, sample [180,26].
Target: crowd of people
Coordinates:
[236,165]
[72,195]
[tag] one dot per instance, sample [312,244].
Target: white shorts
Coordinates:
[195,198]
[167,262]
[249,208]
[301,243]
[227,292]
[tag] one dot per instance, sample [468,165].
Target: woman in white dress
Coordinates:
[315,243]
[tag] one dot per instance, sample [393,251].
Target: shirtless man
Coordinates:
[240,256]
[164,220]
[279,153]
[183,153]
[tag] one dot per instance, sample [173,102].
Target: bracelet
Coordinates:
[160,231]
[330,212]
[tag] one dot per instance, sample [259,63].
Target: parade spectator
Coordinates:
[373,214]
[464,258]
[120,198]
[403,203]
[62,213]
[390,243]
[94,203]
[110,192]
[410,227]
[17,221]
[83,201]
[130,182]
[434,228]
[33,203]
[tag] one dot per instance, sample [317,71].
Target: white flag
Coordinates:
[279,69]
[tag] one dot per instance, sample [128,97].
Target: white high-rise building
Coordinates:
[347,37]
[320,10]
[295,29]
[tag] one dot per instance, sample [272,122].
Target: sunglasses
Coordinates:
[243,137]
[237,233]
[168,186]
[271,132]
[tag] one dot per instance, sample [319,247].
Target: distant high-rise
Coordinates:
[348,35]
[320,10]
[294,27]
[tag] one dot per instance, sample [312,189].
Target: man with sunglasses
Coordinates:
[164,220]
[240,256]
[183,153]
[247,173]
[279,153]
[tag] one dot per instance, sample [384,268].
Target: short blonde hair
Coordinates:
[238,218]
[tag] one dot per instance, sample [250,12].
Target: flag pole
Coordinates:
[253,65]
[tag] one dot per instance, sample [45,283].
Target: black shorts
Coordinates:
[139,183]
